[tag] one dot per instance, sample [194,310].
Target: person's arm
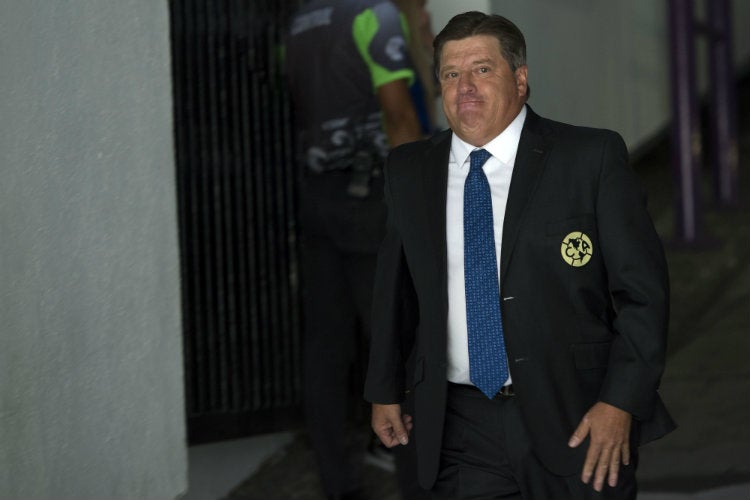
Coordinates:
[376,32]
[399,116]
[395,315]
[639,286]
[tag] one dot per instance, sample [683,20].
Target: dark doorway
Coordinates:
[235,181]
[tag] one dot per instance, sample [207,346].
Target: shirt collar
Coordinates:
[503,147]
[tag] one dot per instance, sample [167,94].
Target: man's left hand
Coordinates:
[609,428]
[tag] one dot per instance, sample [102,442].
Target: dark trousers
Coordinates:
[341,236]
[486,454]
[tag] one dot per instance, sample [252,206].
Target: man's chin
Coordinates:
[470,120]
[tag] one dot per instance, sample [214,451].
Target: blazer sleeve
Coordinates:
[394,311]
[638,283]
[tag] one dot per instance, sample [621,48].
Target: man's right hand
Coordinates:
[391,427]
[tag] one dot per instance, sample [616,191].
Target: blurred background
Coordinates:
[149,291]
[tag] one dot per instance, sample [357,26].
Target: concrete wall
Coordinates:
[91,389]
[600,63]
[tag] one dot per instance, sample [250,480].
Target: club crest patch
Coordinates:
[576,249]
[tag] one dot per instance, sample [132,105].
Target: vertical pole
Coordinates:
[686,140]
[723,120]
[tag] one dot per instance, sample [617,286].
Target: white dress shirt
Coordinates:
[498,169]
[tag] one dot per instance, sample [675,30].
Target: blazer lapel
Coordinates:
[533,149]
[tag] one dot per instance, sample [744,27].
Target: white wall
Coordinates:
[91,389]
[442,10]
[599,63]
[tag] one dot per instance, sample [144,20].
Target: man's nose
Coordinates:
[466,82]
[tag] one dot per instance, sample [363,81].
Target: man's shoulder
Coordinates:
[570,132]
[411,152]
[581,145]
[408,159]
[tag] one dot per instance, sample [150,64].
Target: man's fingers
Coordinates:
[384,431]
[601,464]
[580,433]
[626,453]
[602,467]
[388,424]
[607,468]
[614,468]
[400,433]
[408,422]
[592,458]
[389,439]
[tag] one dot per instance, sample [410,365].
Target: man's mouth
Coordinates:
[469,100]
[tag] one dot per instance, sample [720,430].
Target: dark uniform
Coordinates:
[338,53]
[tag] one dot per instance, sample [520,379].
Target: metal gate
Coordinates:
[235,178]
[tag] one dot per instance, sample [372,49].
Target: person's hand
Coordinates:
[609,428]
[391,427]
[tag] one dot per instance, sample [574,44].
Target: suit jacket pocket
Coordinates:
[590,356]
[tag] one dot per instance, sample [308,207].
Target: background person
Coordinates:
[349,75]
[424,90]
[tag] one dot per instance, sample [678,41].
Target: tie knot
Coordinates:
[478,157]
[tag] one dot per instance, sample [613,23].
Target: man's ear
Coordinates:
[522,73]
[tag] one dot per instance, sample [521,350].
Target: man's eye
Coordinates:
[484,70]
[450,75]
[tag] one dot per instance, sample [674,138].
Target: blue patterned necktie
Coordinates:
[488,365]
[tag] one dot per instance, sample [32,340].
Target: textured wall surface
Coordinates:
[601,64]
[91,389]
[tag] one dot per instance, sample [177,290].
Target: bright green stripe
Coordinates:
[364,28]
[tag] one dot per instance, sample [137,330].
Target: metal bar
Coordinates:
[239,317]
[259,193]
[686,139]
[285,368]
[228,250]
[198,318]
[249,351]
[722,115]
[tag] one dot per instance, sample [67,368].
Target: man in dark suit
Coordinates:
[523,276]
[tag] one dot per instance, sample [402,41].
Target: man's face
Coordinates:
[481,95]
